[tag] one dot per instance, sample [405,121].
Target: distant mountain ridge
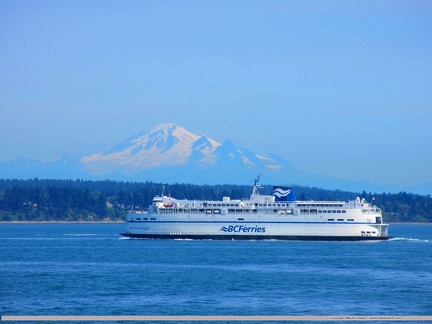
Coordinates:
[169,153]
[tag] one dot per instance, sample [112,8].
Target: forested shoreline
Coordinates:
[85,200]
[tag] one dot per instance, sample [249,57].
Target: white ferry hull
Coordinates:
[258,230]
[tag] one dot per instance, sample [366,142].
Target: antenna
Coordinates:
[255,188]
[256,180]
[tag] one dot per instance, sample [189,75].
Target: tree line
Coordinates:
[85,200]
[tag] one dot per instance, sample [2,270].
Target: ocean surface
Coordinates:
[89,269]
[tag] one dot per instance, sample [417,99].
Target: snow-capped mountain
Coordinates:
[163,146]
[169,149]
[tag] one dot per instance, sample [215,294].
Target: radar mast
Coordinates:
[255,187]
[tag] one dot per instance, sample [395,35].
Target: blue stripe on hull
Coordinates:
[257,237]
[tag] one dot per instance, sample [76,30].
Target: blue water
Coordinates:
[88,269]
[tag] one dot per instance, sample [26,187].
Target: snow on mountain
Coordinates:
[169,145]
[164,145]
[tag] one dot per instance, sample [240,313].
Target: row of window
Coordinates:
[332,211]
[319,205]
[330,219]
[238,205]
[246,211]
[367,233]
[315,211]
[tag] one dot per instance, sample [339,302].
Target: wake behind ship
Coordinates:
[277,216]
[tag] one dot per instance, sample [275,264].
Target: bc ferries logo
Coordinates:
[279,192]
[243,228]
[283,194]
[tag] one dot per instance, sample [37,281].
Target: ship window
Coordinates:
[330,219]
[338,211]
[350,220]
[343,211]
[340,220]
[320,211]
[152,218]
[240,218]
[139,218]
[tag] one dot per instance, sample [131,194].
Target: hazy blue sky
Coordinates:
[340,88]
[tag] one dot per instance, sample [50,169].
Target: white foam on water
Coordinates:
[407,239]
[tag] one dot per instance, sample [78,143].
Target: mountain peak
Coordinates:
[171,146]
[165,131]
[164,145]
[165,127]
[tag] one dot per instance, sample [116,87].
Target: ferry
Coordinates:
[279,216]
